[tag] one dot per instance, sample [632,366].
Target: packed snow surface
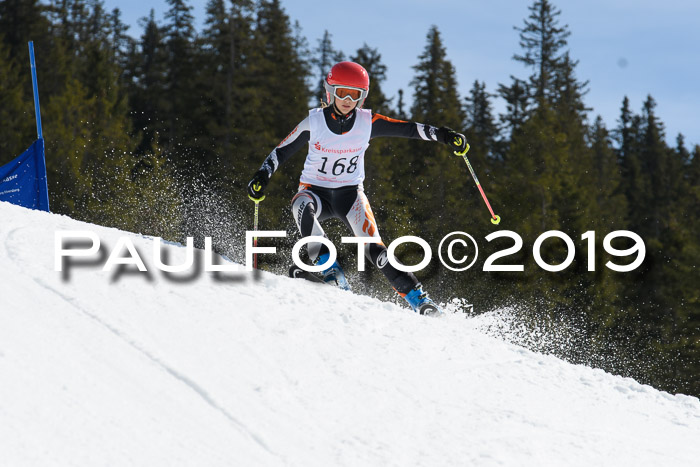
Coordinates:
[129,368]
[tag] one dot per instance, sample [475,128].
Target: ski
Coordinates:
[298,273]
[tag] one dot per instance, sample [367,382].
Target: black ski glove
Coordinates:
[258,183]
[456,141]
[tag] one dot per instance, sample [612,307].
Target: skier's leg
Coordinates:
[363,224]
[361,221]
[306,208]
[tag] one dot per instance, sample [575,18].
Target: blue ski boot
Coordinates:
[421,303]
[334,275]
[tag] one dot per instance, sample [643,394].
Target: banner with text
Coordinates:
[23,180]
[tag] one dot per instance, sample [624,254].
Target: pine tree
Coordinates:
[486,150]
[548,164]
[568,92]
[657,186]
[280,97]
[435,178]
[634,184]
[88,144]
[400,111]
[219,54]
[325,56]
[67,157]
[371,60]
[681,271]
[242,92]
[22,21]
[283,71]
[183,97]
[222,41]
[655,164]
[17,131]
[98,66]
[608,178]
[673,256]
[147,77]
[607,310]
[563,162]
[435,96]
[517,106]
[541,39]
[482,131]
[119,42]
[380,159]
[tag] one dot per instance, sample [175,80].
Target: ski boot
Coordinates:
[334,275]
[421,303]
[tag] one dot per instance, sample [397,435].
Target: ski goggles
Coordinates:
[346,92]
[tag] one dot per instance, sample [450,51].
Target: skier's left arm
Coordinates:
[385,126]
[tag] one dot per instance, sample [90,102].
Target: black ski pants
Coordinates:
[313,204]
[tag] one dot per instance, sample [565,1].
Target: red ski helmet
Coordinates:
[347,75]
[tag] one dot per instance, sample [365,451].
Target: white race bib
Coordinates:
[336,160]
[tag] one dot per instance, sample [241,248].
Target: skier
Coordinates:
[331,182]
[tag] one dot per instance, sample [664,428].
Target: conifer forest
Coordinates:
[159,131]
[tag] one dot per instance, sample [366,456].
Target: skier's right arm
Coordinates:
[291,144]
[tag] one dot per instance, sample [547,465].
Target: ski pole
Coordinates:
[494,218]
[255,223]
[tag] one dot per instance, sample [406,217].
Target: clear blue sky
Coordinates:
[625,47]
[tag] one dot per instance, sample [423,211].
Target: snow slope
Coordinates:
[103,369]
